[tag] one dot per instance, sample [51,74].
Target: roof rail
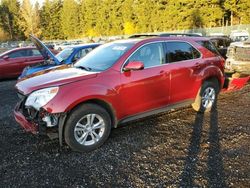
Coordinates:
[166,35]
[143,35]
[179,35]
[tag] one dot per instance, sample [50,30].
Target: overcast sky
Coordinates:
[34,1]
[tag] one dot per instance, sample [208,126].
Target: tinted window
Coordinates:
[180,51]
[150,54]
[208,45]
[19,53]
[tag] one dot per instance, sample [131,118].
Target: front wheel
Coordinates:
[206,97]
[87,127]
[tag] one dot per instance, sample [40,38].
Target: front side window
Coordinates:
[181,51]
[81,53]
[104,56]
[65,53]
[150,55]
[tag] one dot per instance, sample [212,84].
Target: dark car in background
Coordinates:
[67,56]
[13,62]
[221,43]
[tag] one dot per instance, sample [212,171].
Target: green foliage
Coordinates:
[68,19]
[9,13]
[51,20]
[29,19]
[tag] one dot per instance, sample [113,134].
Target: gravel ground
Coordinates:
[175,149]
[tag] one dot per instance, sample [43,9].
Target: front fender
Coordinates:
[70,95]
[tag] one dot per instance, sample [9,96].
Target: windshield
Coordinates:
[103,57]
[65,53]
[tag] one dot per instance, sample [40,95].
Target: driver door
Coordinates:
[147,89]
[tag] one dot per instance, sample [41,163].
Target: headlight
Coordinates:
[41,97]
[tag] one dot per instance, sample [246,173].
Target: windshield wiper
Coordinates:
[84,68]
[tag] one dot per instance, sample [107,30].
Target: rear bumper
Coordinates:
[25,124]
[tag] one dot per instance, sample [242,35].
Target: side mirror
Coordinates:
[5,57]
[133,65]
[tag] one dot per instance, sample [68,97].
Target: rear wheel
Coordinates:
[206,97]
[87,127]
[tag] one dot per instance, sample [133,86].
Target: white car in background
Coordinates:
[239,35]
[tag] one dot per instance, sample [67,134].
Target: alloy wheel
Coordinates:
[89,129]
[208,97]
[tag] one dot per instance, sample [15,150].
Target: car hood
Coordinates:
[46,53]
[61,75]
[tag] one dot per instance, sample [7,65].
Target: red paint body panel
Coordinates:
[133,92]
[236,84]
[28,126]
[13,67]
[57,76]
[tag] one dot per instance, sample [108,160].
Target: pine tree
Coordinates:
[30,19]
[89,18]
[70,19]
[9,13]
[232,6]
[50,19]
[128,17]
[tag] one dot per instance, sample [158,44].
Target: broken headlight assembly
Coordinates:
[41,97]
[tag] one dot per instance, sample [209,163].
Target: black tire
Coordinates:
[198,105]
[75,116]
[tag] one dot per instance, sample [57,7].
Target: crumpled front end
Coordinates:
[36,121]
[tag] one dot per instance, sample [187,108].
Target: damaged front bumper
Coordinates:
[39,122]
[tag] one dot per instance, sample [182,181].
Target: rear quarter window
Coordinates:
[181,51]
[209,45]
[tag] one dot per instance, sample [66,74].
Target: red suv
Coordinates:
[119,82]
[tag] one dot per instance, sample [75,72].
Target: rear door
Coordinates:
[185,64]
[33,56]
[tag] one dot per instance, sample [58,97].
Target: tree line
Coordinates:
[71,19]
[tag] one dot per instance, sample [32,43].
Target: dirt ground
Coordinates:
[180,148]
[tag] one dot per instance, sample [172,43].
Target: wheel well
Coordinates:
[213,79]
[104,105]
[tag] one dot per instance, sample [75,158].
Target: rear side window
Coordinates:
[181,51]
[208,45]
[36,53]
[19,53]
